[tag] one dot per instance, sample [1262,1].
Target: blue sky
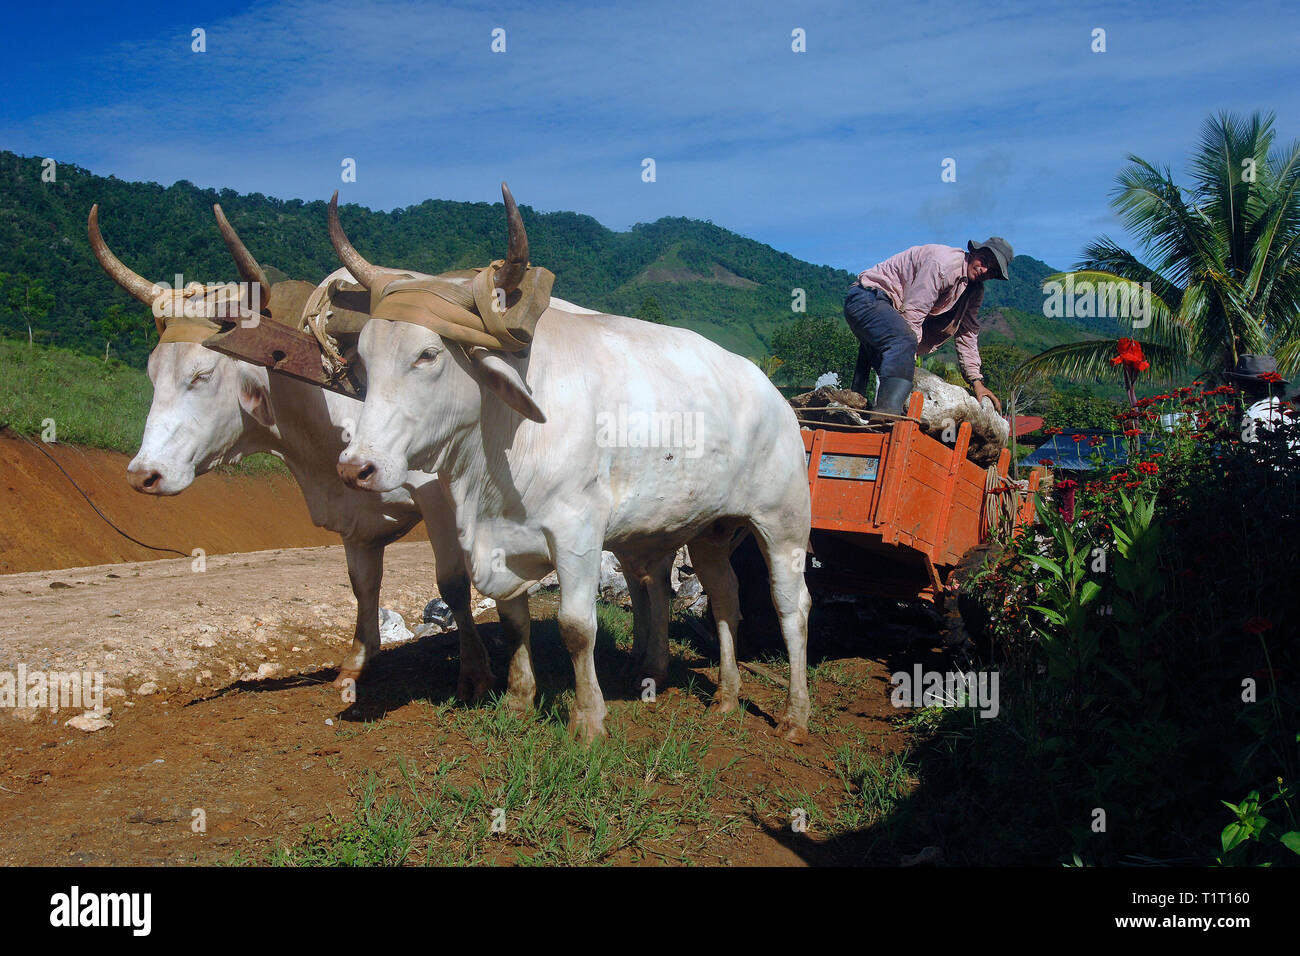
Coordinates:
[833,155]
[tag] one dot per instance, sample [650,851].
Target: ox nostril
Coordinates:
[367,470]
[151,480]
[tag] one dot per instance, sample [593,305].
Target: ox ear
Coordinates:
[500,376]
[253,399]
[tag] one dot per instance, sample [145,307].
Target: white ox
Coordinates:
[549,456]
[210,409]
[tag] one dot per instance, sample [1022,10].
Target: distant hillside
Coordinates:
[734,290]
[1010,326]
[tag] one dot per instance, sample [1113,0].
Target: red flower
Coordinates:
[1044,461]
[1078,437]
[1257,625]
[1271,377]
[1148,467]
[1132,431]
[1130,354]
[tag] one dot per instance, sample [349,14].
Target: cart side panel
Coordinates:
[845,478]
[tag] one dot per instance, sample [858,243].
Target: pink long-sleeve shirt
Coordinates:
[925,284]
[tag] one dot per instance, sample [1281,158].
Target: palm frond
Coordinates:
[1162,324]
[1105,255]
[1083,361]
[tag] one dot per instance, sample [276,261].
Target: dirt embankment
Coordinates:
[45,524]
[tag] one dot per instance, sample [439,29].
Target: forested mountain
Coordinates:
[734,290]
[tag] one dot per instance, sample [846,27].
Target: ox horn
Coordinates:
[140,287]
[248,267]
[361,270]
[511,274]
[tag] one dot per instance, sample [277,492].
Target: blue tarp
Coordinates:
[1067,454]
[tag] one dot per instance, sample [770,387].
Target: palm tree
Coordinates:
[1224,277]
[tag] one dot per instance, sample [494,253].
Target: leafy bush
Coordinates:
[1147,643]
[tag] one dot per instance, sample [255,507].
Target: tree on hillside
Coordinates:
[1076,407]
[650,311]
[809,346]
[1003,368]
[944,369]
[1223,257]
[118,325]
[769,364]
[27,298]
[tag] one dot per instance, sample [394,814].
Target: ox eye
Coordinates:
[425,358]
[201,376]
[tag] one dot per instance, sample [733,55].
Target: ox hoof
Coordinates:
[792,732]
[517,702]
[724,705]
[472,688]
[352,674]
[587,729]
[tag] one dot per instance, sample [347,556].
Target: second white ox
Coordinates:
[550,455]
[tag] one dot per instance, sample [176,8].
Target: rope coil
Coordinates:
[1003,498]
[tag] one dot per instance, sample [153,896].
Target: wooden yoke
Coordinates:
[275,343]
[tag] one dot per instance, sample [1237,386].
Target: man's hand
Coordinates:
[982,393]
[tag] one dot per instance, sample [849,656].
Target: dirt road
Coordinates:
[169,623]
[221,710]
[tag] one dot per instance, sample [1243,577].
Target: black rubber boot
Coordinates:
[893,396]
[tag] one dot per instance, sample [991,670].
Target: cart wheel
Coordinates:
[963,620]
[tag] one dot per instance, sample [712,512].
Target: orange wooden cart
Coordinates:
[894,511]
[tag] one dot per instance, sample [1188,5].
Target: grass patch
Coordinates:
[528,794]
[92,402]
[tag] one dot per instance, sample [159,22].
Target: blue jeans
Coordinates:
[885,342]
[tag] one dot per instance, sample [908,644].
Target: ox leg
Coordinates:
[640,596]
[366,572]
[711,558]
[659,594]
[476,677]
[785,555]
[579,581]
[521,685]
[650,587]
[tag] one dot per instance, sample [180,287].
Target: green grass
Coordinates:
[668,785]
[522,791]
[527,794]
[91,402]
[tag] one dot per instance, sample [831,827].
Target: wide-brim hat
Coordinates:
[999,248]
[1252,368]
